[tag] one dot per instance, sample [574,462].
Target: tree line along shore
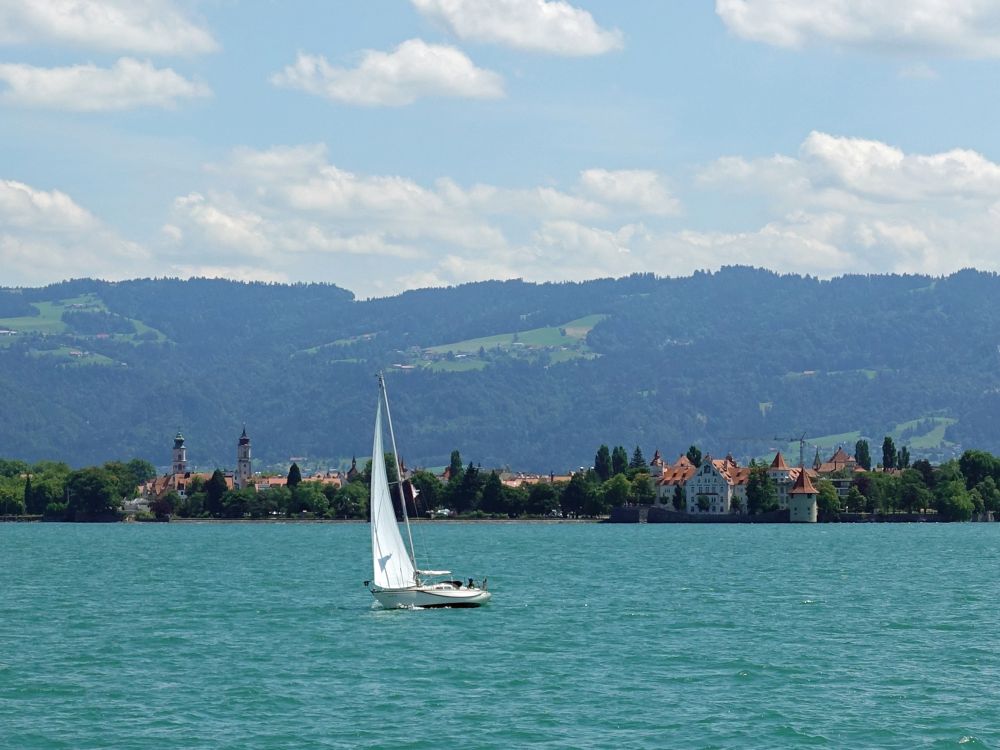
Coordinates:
[960,489]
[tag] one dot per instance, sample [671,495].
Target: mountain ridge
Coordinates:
[728,360]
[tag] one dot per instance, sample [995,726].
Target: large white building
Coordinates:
[719,486]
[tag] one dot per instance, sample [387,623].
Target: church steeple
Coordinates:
[244,466]
[179,463]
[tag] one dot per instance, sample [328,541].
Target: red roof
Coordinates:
[779,462]
[803,485]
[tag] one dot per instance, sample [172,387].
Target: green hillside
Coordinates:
[534,376]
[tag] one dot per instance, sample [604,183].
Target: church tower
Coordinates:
[244,469]
[179,465]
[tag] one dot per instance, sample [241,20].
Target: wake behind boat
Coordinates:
[397,581]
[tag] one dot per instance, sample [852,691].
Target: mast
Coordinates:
[399,473]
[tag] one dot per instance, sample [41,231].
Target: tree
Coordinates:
[306,497]
[736,505]
[492,499]
[215,488]
[703,503]
[428,489]
[542,499]
[855,500]
[163,506]
[294,476]
[139,471]
[597,503]
[862,454]
[464,493]
[678,498]
[602,463]
[11,504]
[926,471]
[990,493]
[976,466]
[953,502]
[12,468]
[351,501]
[827,500]
[638,460]
[913,493]
[888,454]
[27,492]
[574,495]
[616,491]
[455,466]
[762,495]
[903,460]
[643,491]
[93,490]
[619,460]
[694,455]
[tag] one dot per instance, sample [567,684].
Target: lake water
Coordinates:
[262,636]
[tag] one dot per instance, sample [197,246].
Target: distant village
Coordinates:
[180,478]
[716,487]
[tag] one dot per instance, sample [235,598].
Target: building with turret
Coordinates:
[802,500]
[244,466]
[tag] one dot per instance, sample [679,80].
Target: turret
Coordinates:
[802,505]
[179,463]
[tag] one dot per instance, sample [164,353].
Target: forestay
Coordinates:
[392,565]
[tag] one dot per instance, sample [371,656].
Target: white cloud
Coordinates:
[128,84]
[24,207]
[149,27]
[856,205]
[233,228]
[551,26]
[46,235]
[963,28]
[641,189]
[412,71]
[290,207]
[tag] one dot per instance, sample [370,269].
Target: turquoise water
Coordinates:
[262,636]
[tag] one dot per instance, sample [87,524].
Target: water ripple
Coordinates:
[258,637]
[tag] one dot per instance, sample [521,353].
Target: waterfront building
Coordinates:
[718,486]
[671,478]
[802,506]
[783,477]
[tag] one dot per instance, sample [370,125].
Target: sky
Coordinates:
[396,144]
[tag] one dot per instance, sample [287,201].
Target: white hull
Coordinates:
[439,595]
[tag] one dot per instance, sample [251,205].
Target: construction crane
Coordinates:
[801,440]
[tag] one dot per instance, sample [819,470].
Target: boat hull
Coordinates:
[430,596]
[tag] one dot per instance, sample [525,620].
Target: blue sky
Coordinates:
[396,144]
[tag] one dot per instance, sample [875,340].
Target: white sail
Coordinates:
[392,564]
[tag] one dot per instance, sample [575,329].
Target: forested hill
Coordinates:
[534,376]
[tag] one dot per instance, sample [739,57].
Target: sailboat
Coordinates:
[397,581]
